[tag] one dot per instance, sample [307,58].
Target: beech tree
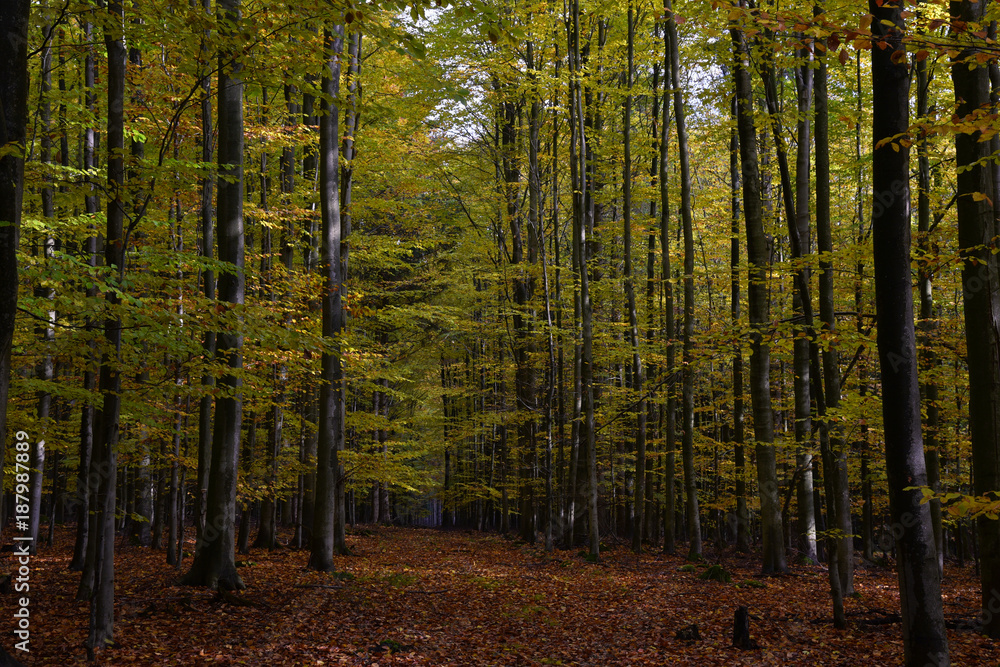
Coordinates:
[924,638]
[214,561]
[758,305]
[328,527]
[14,93]
[977,237]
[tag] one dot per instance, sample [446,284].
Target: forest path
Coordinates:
[424,597]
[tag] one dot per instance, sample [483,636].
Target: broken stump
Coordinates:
[741,630]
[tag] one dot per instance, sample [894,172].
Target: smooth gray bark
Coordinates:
[638,372]
[328,524]
[759,315]
[214,562]
[687,369]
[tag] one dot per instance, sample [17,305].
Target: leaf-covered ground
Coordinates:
[424,597]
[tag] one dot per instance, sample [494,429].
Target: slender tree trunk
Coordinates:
[639,485]
[267,526]
[977,239]
[44,250]
[759,313]
[831,441]
[83,483]
[208,285]
[522,251]
[669,333]
[174,519]
[926,324]
[867,527]
[581,222]
[796,204]
[687,371]
[803,408]
[651,508]
[13,125]
[328,526]
[739,425]
[214,565]
[105,462]
[924,638]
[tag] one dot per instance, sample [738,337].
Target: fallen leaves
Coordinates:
[425,597]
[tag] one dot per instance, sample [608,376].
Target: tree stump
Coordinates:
[7,660]
[741,630]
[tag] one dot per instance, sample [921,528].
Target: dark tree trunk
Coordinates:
[739,426]
[13,124]
[44,250]
[104,462]
[926,325]
[214,562]
[759,313]
[741,630]
[208,285]
[687,369]
[831,441]
[670,410]
[924,638]
[84,490]
[803,408]
[638,372]
[173,517]
[582,223]
[328,527]
[981,296]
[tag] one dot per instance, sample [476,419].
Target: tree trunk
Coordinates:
[803,407]
[328,527]
[214,565]
[639,485]
[13,123]
[759,313]
[208,285]
[84,490]
[581,223]
[687,371]
[831,441]
[669,419]
[981,296]
[174,517]
[739,425]
[651,508]
[924,638]
[926,324]
[104,461]
[867,528]
[44,250]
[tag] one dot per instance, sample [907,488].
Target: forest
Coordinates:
[500,332]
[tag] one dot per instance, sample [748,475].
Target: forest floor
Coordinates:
[427,597]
